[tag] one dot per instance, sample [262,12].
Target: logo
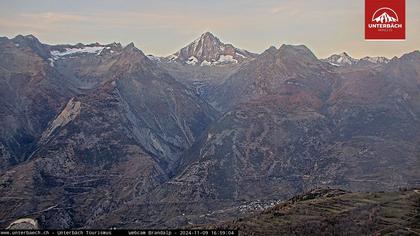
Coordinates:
[382,15]
[384,19]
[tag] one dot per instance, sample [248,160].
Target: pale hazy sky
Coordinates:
[161,27]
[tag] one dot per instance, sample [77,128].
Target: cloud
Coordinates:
[40,23]
[53,17]
[186,22]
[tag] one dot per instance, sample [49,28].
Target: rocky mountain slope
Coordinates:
[97,135]
[275,71]
[126,129]
[204,64]
[319,130]
[311,127]
[31,94]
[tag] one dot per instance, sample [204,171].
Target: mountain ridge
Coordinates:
[208,50]
[344,59]
[110,137]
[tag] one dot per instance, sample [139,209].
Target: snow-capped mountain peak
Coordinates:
[208,50]
[376,60]
[344,59]
[341,59]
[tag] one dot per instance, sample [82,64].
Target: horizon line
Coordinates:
[190,42]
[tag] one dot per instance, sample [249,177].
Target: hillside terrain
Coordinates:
[103,135]
[336,212]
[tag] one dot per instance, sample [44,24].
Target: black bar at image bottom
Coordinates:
[173,232]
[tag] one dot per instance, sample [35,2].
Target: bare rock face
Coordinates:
[69,113]
[208,50]
[23,224]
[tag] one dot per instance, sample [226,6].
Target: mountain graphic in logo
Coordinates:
[385,18]
[385,15]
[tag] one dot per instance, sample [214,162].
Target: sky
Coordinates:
[161,27]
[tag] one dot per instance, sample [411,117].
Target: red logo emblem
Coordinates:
[385,20]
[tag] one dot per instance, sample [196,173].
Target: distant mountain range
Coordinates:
[208,50]
[100,136]
[343,59]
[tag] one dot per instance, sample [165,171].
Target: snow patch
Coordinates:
[69,51]
[205,63]
[345,59]
[51,62]
[223,59]
[240,55]
[192,60]
[341,59]
[172,57]
[153,58]
[376,60]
